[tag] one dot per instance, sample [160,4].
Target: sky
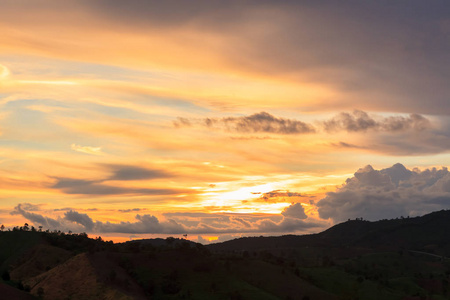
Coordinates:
[221,119]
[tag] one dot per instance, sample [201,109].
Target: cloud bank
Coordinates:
[293,219]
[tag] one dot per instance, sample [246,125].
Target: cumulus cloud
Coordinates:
[82,219]
[388,193]
[295,211]
[361,121]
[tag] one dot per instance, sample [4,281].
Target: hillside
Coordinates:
[389,259]
[410,233]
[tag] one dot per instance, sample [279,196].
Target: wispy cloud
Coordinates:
[47,109]
[87,149]
[4,72]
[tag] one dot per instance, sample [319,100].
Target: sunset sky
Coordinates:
[220,119]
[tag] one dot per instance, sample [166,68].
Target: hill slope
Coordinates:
[389,259]
[409,233]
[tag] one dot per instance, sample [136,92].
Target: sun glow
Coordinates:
[4,72]
[221,197]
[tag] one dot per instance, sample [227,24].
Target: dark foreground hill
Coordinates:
[404,258]
[428,233]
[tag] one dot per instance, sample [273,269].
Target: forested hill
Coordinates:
[405,258]
[431,230]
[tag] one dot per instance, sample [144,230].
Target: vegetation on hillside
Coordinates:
[404,258]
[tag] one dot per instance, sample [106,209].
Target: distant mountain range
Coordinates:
[405,258]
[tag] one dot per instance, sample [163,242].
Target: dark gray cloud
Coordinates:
[82,219]
[393,65]
[280,195]
[399,64]
[182,122]
[357,121]
[171,13]
[242,221]
[131,210]
[86,187]
[29,207]
[412,134]
[347,145]
[46,222]
[63,209]
[361,121]
[79,222]
[288,225]
[70,208]
[262,122]
[144,224]
[292,219]
[295,211]
[121,172]
[388,193]
[70,183]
